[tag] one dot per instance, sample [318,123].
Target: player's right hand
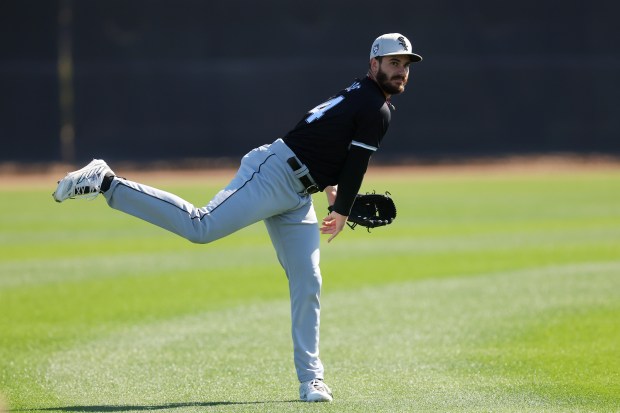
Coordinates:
[333,224]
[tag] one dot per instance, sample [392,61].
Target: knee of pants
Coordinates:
[201,236]
[208,228]
[198,240]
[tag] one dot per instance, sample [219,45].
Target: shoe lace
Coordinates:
[319,385]
[88,186]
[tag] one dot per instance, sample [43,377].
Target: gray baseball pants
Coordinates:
[264,188]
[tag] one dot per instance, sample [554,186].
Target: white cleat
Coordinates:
[315,390]
[84,183]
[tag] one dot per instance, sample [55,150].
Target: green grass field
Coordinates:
[491,292]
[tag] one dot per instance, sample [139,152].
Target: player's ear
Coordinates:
[374,65]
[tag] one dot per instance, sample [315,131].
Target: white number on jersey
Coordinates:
[320,110]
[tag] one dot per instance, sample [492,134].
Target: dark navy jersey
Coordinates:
[355,118]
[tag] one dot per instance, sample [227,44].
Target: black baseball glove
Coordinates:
[371,211]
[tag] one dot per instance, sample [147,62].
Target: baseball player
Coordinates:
[328,150]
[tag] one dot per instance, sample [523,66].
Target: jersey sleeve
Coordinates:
[351,179]
[371,126]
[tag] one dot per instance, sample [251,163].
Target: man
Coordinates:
[328,150]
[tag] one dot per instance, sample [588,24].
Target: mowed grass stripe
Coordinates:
[34,273]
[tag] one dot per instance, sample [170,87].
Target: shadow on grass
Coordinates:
[128,408]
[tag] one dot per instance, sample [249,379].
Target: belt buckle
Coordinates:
[312,189]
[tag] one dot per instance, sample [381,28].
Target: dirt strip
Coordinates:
[14,175]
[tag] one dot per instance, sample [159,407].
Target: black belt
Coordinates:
[306,179]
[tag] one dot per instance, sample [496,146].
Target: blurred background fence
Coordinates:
[177,79]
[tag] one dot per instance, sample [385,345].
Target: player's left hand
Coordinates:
[333,224]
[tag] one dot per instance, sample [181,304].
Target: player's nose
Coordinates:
[401,72]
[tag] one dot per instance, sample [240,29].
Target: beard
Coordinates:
[385,84]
